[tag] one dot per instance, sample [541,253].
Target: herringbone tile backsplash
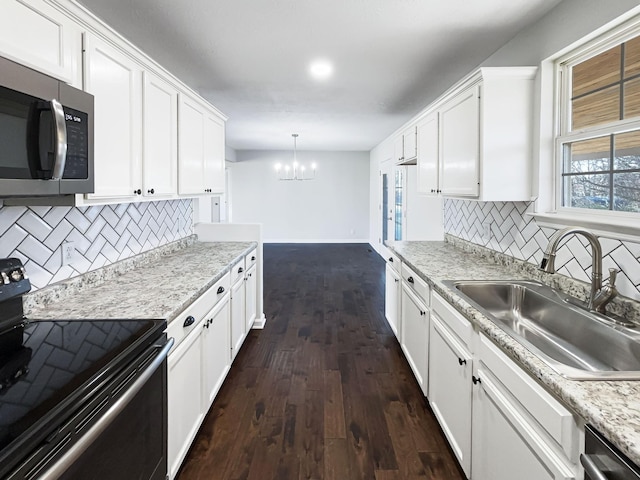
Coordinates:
[102,235]
[518,235]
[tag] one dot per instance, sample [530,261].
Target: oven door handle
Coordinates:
[56,470]
[590,468]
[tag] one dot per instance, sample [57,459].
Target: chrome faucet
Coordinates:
[599,296]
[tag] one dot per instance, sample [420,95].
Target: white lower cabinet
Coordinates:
[184,402]
[197,367]
[392,299]
[238,314]
[415,335]
[450,389]
[216,350]
[251,290]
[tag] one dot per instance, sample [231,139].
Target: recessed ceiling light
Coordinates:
[321,69]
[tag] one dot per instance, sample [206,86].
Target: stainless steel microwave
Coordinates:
[46,135]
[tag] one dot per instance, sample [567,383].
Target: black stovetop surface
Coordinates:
[47,367]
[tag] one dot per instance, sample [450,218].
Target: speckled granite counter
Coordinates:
[612,407]
[160,288]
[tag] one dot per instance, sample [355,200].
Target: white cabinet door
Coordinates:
[415,336]
[398,149]
[410,146]
[37,35]
[428,160]
[214,154]
[392,299]
[505,445]
[115,81]
[238,313]
[191,128]
[216,350]
[251,293]
[160,137]
[450,389]
[460,144]
[184,403]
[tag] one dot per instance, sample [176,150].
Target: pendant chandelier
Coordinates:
[295,171]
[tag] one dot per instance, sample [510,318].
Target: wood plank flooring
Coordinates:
[324,391]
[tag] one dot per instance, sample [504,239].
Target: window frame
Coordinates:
[555,111]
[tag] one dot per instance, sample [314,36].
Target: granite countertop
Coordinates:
[612,407]
[160,289]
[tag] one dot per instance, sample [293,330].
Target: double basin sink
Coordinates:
[576,343]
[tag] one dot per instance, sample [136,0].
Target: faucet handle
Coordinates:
[613,273]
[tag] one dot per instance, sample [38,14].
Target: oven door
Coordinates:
[602,461]
[122,434]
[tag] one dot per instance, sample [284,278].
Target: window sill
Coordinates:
[620,228]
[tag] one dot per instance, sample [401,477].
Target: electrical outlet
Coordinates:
[68,253]
[486,231]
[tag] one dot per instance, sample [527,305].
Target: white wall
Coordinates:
[332,208]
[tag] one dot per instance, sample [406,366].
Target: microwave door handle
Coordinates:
[60,127]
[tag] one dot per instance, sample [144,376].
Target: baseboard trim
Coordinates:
[259,324]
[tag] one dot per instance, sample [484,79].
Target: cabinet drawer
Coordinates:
[180,326]
[394,261]
[543,408]
[416,284]
[251,259]
[237,271]
[453,319]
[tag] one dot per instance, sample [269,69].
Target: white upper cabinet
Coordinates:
[398,146]
[214,154]
[37,35]
[201,149]
[428,148]
[160,137]
[459,142]
[476,141]
[410,146]
[114,79]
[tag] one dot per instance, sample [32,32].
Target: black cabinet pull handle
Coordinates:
[240,270]
[220,290]
[462,361]
[475,379]
[410,280]
[188,321]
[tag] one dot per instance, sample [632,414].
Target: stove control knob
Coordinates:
[16,276]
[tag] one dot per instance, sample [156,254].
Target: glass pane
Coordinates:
[586,191]
[601,70]
[627,151]
[632,57]
[596,108]
[587,156]
[632,98]
[626,192]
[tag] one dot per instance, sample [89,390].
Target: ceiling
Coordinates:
[250,58]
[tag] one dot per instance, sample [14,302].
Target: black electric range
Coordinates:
[57,377]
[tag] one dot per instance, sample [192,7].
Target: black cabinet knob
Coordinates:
[188,321]
[253,258]
[462,361]
[410,280]
[151,191]
[137,192]
[240,270]
[220,290]
[475,380]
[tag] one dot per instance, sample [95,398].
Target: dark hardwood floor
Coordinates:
[324,391]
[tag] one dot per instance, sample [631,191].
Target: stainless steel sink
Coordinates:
[576,343]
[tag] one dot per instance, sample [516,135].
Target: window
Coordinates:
[599,141]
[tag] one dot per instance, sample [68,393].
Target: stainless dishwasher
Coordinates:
[603,461]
